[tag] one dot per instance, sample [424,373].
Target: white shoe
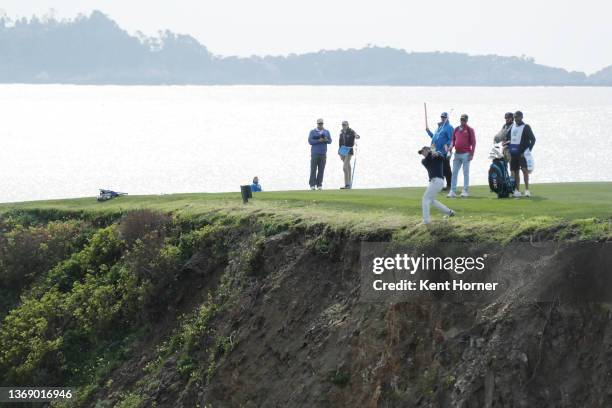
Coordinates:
[451,214]
[527,193]
[451,195]
[320,188]
[517,194]
[312,188]
[464,194]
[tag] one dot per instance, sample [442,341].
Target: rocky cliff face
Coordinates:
[269,315]
[303,338]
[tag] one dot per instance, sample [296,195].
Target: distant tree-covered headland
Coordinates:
[95,50]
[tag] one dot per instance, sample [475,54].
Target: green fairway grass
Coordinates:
[586,206]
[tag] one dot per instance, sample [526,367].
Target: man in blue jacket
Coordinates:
[318,138]
[256,187]
[443,137]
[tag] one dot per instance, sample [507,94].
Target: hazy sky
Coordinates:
[575,35]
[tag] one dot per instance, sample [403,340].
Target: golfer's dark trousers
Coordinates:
[448,174]
[317,168]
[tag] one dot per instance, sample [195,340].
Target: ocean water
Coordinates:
[60,141]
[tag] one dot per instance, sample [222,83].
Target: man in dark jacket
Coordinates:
[434,163]
[318,139]
[521,139]
[347,140]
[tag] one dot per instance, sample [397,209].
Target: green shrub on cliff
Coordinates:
[31,341]
[27,252]
[94,298]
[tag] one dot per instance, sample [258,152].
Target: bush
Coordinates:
[253,258]
[104,249]
[141,224]
[90,291]
[70,309]
[26,253]
[130,400]
[196,328]
[152,273]
[30,343]
[212,238]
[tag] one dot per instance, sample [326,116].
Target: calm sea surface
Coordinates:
[59,141]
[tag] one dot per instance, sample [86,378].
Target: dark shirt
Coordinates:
[347,138]
[528,140]
[434,166]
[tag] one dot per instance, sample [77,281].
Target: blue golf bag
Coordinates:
[500,181]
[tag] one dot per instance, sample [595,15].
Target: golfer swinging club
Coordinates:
[434,163]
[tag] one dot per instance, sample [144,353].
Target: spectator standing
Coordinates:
[346,143]
[521,139]
[318,139]
[441,141]
[464,143]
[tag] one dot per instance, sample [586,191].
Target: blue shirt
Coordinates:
[442,137]
[256,187]
[318,148]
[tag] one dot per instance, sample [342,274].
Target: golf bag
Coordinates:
[500,181]
[106,195]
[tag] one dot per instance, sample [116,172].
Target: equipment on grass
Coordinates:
[106,195]
[500,180]
[246,193]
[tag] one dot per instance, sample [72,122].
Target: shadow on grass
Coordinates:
[536,198]
[470,198]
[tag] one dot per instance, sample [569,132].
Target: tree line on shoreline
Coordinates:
[95,50]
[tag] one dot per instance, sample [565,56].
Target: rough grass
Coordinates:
[559,211]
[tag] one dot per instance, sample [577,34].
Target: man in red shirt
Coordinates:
[464,143]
